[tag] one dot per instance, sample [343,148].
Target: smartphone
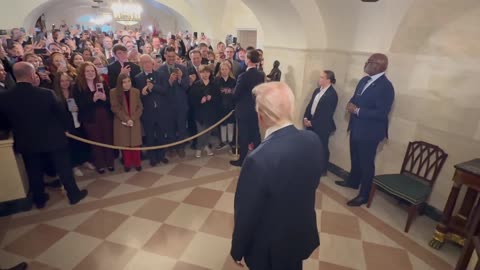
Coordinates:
[41,69]
[234,40]
[9,43]
[158,56]
[150,78]
[195,34]
[103,70]
[71,104]
[99,87]
[203,34]
[173,37]
[3,32]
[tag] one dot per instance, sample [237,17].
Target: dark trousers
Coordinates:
[181,127]
[325,138]
[34,166]
[248,132]
[192,126]
[101,131]
[155,135]
[362,156]
[257,262]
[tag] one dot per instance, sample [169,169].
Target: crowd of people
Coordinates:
[129,90]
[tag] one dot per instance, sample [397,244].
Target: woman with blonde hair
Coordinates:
[127,130]
[225,82]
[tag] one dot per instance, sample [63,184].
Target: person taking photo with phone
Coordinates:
[121,65]
[92,98]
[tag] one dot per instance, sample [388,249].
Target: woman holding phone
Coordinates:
[58,63]
[127,130]
[225,81]
[92,98]
[79,152]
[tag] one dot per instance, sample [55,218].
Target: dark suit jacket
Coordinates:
[243,97]
[86,106]
[375,104]
[36,118]
[322,120]
[275,198]
[158,104]
[206,113]
[114,70]
[179,89]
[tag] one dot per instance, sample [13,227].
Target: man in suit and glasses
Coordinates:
[369,108]
[275,219]
[158,116]
[174,78]
[318,116]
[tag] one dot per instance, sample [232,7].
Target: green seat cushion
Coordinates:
[404,186]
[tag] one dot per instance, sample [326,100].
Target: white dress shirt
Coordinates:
[372,80]
[317,99]
[272,129]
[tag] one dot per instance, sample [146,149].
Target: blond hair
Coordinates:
[276,101]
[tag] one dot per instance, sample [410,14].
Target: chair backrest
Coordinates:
[424,161]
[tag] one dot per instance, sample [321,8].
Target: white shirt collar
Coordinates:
[2,84]
[272,129]
[376,76]
[325,89]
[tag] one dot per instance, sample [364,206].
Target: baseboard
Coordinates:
[16,206]
[430,211]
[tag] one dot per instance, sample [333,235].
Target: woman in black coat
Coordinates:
[204,98]
[318,116]
[225,82]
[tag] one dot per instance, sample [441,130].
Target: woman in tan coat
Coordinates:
[127,131]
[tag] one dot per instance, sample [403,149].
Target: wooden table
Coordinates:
[454,227]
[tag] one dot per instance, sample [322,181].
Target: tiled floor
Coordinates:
[180,217]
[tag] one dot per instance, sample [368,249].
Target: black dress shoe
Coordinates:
[165,160]
[153,163]
[40,204]
[111,169]
[22,266]
[236,163]
[126,169]
[74,199]
[139,168]
[357,201]
[101,171]
[345,184]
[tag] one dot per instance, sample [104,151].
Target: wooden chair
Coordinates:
[420,169]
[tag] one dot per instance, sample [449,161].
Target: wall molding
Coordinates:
[430,211]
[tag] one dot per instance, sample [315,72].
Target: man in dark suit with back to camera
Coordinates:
[39,122]
[248,131]
[369,108]
[275,219]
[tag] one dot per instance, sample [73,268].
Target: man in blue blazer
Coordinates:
[248,131]
[369,109]
[158,117]
[174,78]
[275,219]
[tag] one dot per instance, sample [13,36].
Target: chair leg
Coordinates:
[372,194]
[412,214]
